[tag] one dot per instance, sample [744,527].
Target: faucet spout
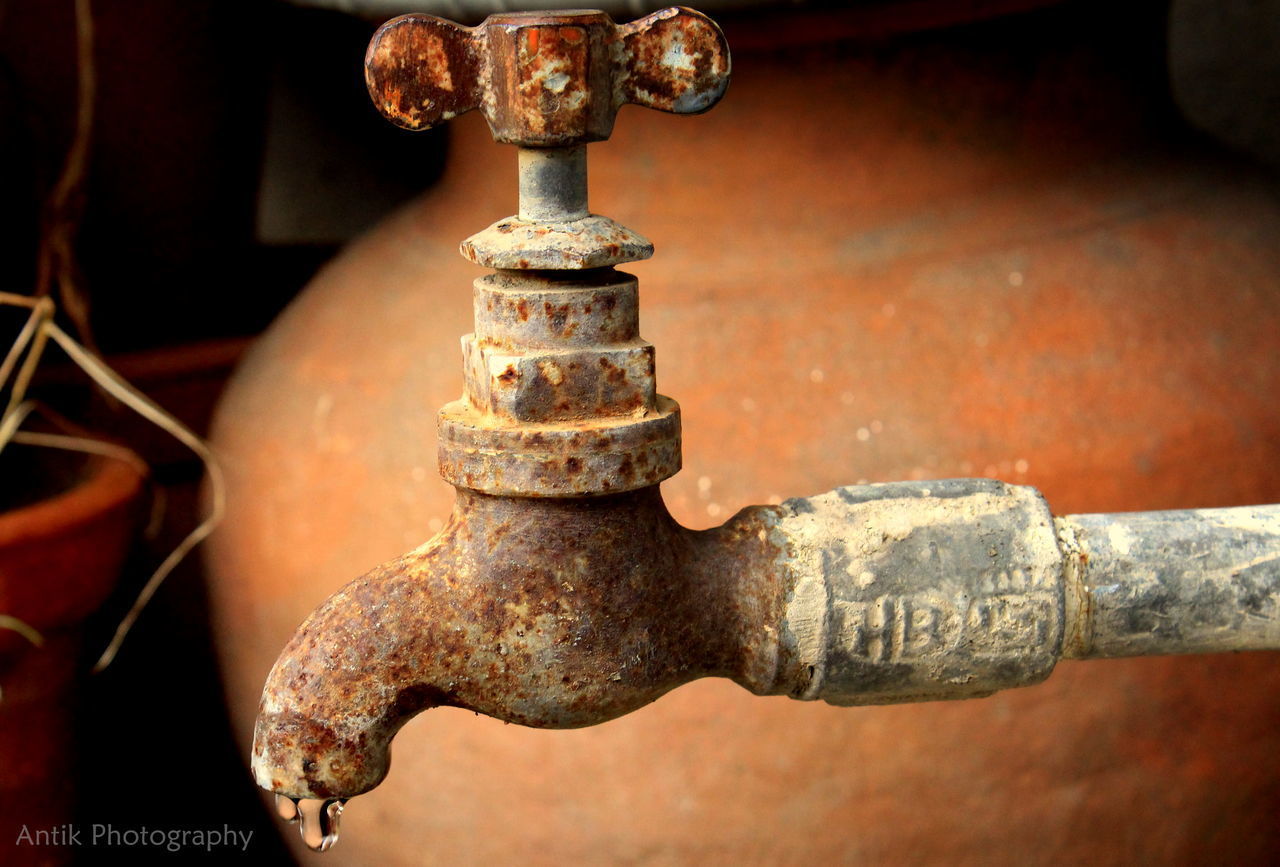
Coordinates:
[551,613]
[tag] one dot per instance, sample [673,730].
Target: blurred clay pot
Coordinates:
[986,251]
[61,551]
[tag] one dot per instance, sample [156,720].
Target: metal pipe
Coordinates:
[1193,581]
[919,591]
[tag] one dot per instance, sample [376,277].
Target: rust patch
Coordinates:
[514,611]
[545,79]
[579,245]
[422,71]
[560,394]
[675,60]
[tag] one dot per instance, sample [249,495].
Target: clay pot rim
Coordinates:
[109,483]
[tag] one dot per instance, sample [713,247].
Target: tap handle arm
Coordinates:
[422,70]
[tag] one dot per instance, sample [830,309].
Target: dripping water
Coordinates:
[317,820]
[287,809]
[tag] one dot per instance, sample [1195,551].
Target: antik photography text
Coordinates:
[134,837]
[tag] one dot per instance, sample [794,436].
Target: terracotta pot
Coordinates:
[975,253]
[60,556]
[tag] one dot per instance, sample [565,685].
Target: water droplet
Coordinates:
[317,820]
[287,808]
[319,826]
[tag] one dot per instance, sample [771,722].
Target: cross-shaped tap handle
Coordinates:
[545,79]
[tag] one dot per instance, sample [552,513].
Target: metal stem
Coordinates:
[553,184]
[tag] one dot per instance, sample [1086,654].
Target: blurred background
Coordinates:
[232,152]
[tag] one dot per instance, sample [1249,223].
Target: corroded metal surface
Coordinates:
[569,311]
[558,460]
[549,350]
[560,397]
[919,591]
[562,613]
[674,60]
[553,613]
[553,184]
[591,242]
[421,70]
[545,79]
[1192,581]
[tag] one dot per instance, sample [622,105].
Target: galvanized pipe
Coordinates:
[918,591]
[1193,581]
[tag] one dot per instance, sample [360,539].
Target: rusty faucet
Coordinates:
[562,594]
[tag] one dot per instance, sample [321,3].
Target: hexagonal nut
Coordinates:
[592,242]
[551,77]
[562,385]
